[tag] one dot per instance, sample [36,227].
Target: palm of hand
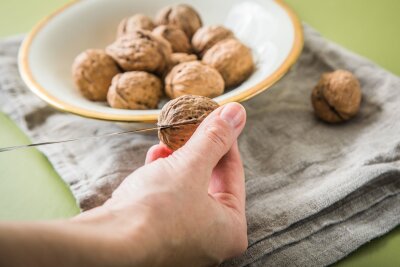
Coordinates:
[195,203]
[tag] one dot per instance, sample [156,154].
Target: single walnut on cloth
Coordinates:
[135,22]
[92,73]
[182,16]
[232,59]
[208,36]
[193,78]
[141,51]
[337,96]
[184,109]
[175,36]
[135,90]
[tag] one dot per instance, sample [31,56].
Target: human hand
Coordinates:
[187,206]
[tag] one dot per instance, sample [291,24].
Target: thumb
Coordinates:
[214,137]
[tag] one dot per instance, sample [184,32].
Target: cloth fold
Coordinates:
[315,192]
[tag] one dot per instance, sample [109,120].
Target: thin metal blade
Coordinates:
[158,127]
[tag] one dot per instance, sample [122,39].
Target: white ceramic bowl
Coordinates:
[268,27]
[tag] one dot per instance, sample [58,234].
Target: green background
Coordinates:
[30,189]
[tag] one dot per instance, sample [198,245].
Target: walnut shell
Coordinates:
[135,90]
[141,51]
[193,78]
[92,73]
[177,58]
[337,96]
[175,36]
[180,110]
[135,22]
[182,16]
[232,59]
[208,36]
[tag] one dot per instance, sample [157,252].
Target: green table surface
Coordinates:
[30,189]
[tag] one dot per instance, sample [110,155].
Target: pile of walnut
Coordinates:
[172,54]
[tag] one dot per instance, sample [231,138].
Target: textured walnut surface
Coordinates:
[208,36]
[135,90]
[193,78]
[337,96]
[232,59]
[135,22]
[92,73]
[175,36]
[177,58]
[183,109]
[141,51]
[182,16]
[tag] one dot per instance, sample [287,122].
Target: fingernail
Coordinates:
[233,113]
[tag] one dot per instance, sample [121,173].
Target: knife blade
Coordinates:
[45,143]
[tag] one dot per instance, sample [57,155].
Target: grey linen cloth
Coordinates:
[315,192]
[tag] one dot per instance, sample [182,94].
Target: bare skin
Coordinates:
[185,208]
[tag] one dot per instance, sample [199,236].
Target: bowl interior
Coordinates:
[50,50]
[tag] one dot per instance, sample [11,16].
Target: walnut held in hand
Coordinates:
[208,36]
[141,51]
[135,22]
[92,72]
[175,36]
[337,96]
[194,78]
[182,16]
[135,90]
[180,110]
[232,59]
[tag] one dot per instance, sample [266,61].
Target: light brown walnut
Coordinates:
[135,22]
[182,16]
[177,58]
[337,96]
[187,108]
[92,73]
[194,78]
[141,51]
[208,36]
[232,59]
[135,90]
[175,36]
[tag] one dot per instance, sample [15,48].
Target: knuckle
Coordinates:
[218,135]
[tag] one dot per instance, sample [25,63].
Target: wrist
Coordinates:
[135,243]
